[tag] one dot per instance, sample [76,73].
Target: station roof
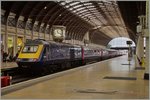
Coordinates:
[104,20]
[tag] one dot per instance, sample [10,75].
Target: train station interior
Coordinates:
[66,49]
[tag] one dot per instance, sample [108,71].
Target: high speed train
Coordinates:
[39,53]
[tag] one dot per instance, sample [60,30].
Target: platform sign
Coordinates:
[58,33]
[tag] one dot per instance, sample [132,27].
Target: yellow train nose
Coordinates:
[31,55]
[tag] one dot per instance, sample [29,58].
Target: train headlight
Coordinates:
[18,59]
[34,59]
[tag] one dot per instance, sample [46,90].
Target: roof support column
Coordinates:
[50,34]
[86,38]
[34,30]
[5,34]
[146,33]
[15,39]
[6,37]
[140,49]
[140,42]
[27,30]
[146,74]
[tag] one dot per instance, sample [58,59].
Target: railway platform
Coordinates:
[7,65]
[109,79]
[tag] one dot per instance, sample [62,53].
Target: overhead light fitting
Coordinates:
[45,7]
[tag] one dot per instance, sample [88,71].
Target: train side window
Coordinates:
[44,52]
[47,52]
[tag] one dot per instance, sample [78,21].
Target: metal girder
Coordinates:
[28,9]
[112,20]
[74,25]
[35,13]
[105,16]
[74,6]
[48,18]
[7,7]
[70,23]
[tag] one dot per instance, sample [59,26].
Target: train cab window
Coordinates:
[30,49]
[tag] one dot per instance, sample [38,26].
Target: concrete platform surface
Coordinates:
[5,65]
[89,83]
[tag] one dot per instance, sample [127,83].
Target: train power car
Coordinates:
[39,53]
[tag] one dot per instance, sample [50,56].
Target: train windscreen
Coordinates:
[30,49]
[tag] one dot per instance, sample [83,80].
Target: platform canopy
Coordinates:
[104,20]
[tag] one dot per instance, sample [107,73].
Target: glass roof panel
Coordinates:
[67,1]
[90,6]
[71,8]
[80,8]
[93,11]
[93,8]
[74,11]
[74,3]
[67,6]
[88,11]
[83,11]
[100,3]
[87,14]
[91,17]
[86,4]
[84,1]
[97,22]
[77,6]
[63,3]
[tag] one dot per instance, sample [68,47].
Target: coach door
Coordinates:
[46,53]
[72,55]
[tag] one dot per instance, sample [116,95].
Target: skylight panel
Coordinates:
[67,6]
[63,3]
[68,1]
[86,4]
[83,11]
[90,6]
[87,14]
[80,9]
[71,8]
[77,6]
[74,3]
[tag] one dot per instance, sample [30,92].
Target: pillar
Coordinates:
[146,74]
[6,37]
[146,33]
[16,38]
[86,38]
[140,48]
[140,41]
[25,32]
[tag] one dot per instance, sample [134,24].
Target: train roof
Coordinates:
[36,42]
[44,42]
